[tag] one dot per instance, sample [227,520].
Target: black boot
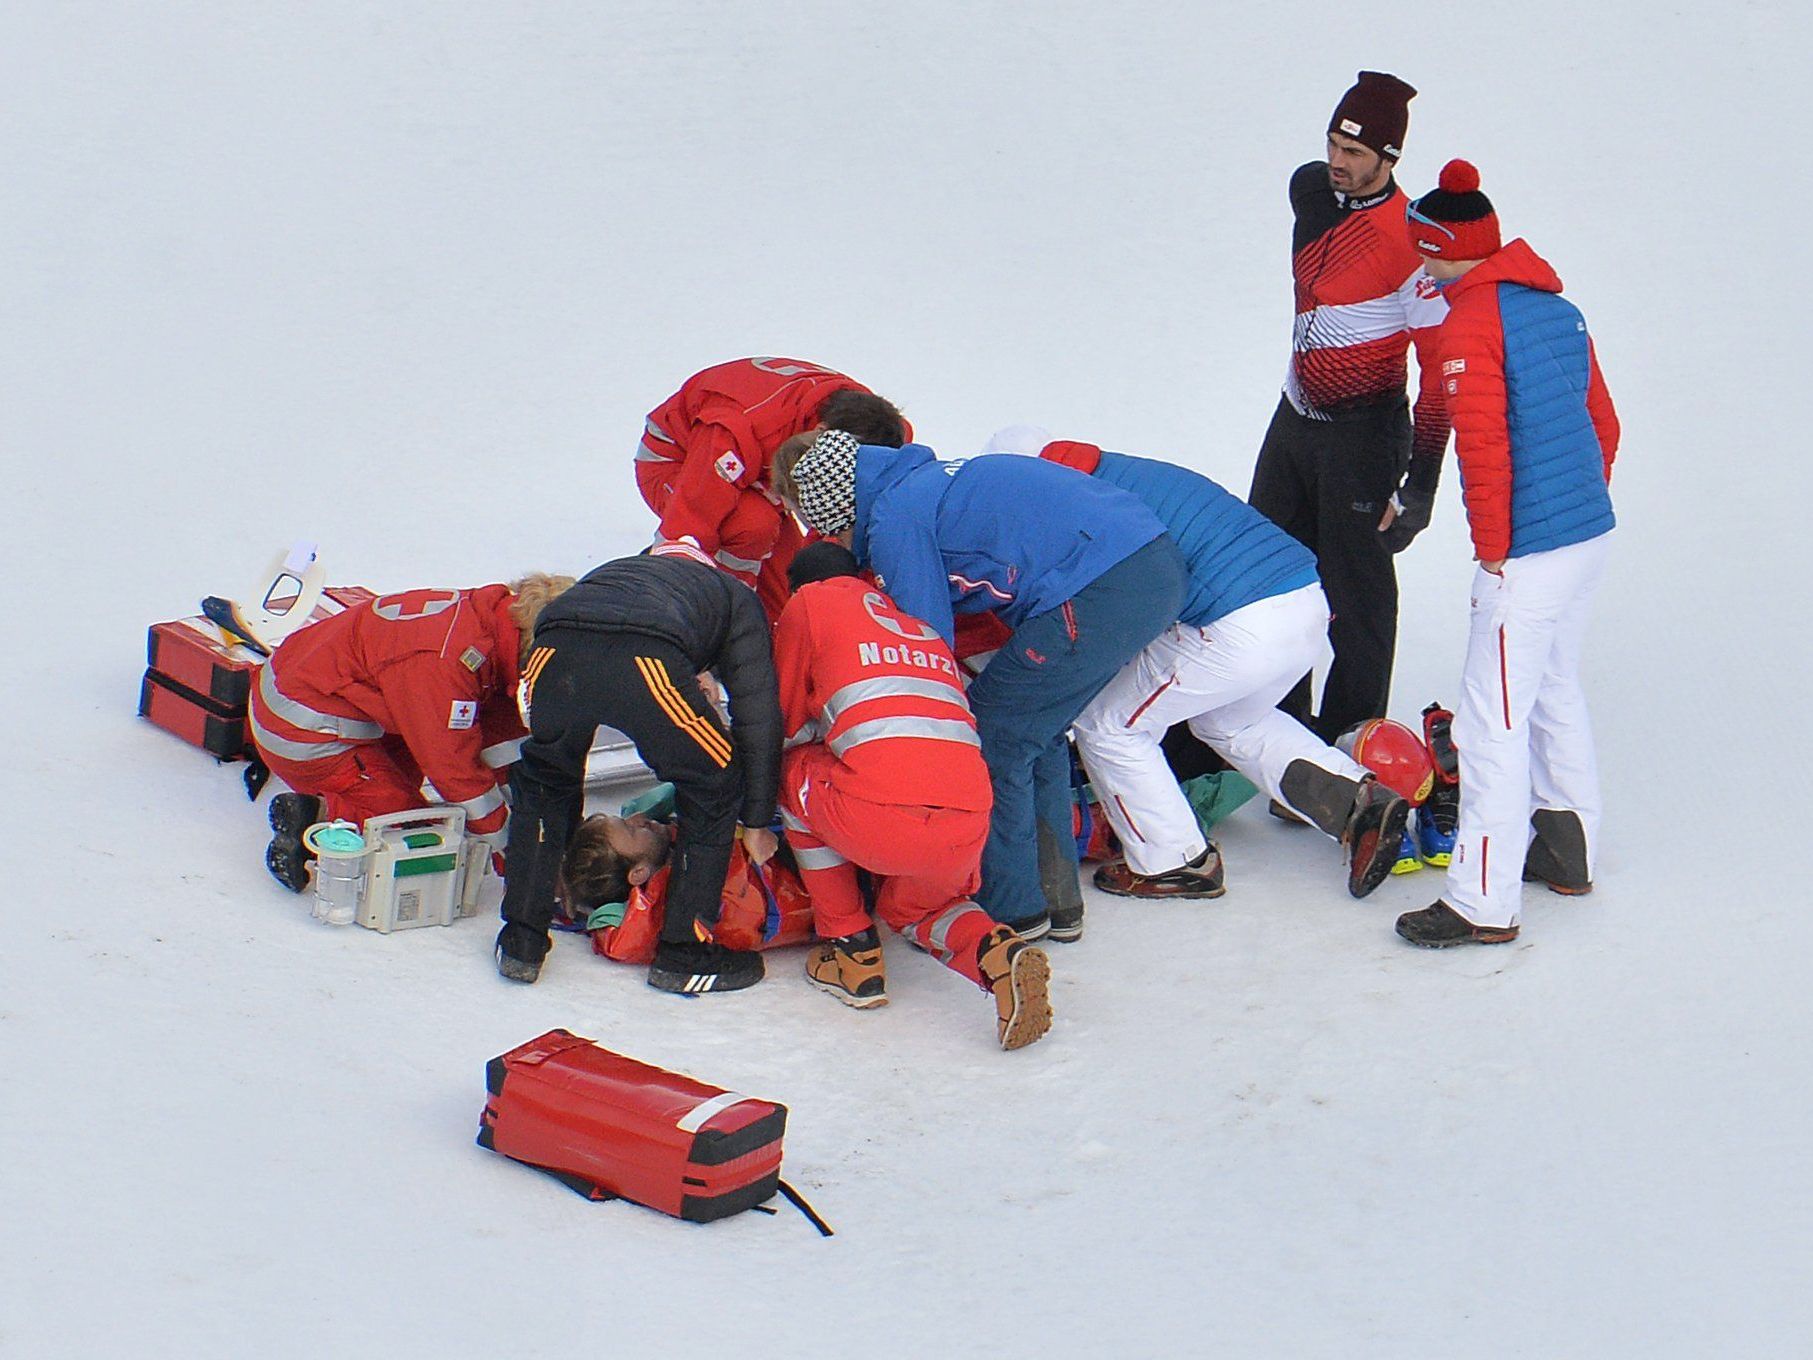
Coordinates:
[520,951]
[1557,856]
[1439,926]
[1373,836]
[1063,894]
[287,857]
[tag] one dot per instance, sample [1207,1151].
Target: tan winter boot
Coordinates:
[1019,975]
[850,969]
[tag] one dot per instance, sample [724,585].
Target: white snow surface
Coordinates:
[405,277]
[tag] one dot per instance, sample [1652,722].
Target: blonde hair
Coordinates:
[780,467]
[532,594]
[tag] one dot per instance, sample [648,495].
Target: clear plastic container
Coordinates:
[340,855]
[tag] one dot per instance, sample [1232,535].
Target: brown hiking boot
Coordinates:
[850,969]
[1439,926]
[1201,877]
[1019,975]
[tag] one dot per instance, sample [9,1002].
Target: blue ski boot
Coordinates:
[1435,825]
[1407,861]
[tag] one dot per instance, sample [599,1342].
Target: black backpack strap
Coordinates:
[798,1201]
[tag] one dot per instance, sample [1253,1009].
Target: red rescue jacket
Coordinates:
[420,665]
[710,443]
[883,692]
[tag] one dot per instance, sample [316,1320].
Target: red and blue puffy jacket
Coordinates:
[1534,427]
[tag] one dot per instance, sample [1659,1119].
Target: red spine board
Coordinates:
[612,1127]
[197,684]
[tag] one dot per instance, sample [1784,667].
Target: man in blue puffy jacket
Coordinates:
[1083,573]
[1253,620]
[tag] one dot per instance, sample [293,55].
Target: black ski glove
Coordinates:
[1415,500]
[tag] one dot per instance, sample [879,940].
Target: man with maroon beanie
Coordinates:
[1344,468]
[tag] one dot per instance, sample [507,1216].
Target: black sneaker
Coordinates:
[520,951]
[287,857]
[1032,928]
[691,969]
[1439,926]
[1373,836]
[1064,924]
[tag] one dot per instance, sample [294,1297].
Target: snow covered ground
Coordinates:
[404,278]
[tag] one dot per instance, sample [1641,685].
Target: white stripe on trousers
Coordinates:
[1225,680]
[1521,726]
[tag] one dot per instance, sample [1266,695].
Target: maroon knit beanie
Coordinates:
[1375,113]
[1454,220]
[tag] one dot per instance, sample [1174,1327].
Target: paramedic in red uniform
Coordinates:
[884,772]
[354,711]
[1345,469]
[702,465]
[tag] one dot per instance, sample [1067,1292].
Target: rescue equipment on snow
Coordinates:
[610,1127]
[406,869]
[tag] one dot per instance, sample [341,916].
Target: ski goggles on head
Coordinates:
[1412,214]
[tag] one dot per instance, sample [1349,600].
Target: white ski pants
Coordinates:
[1225,680]
[1521,726]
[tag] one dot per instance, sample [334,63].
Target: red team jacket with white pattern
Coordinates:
[1363,298]
[420,665]
[881,690]
[710,443]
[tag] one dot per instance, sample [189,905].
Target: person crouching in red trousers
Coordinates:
[355,711]
[884,772]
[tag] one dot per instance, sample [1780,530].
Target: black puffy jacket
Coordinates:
[718,623]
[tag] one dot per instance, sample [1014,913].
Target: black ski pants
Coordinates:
[1326,483]
[580,679]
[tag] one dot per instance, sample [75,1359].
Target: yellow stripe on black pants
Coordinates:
[673,703]
[538,660]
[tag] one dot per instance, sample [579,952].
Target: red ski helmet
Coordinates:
[1398,756]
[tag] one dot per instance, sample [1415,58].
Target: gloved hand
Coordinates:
[1414,502]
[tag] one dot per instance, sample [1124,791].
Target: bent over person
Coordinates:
[1535,436]
[1254,617]
[1344,469]
[884,772]
[1083,573]
[625,648]
[703,461]
[354,711]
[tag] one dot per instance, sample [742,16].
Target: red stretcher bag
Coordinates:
[614,1128]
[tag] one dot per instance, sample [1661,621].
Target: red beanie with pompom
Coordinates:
[1454,220]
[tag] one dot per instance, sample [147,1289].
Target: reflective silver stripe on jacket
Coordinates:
[294,750]
[891,687]
[308,719]
[484,805]
[502,753]
[824,857]
[646,452]
[929,729]
[792,822]
[736,563]
[809,731]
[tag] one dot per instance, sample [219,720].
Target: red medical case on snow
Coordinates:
[197,682]
[612,1127]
